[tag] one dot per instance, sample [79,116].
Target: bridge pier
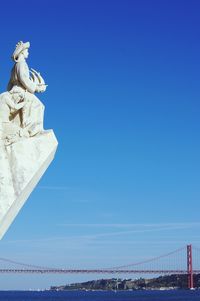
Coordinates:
[189,267]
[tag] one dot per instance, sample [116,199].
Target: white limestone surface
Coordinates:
[22,164]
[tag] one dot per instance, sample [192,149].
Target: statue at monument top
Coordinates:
[20,74]
[28,112]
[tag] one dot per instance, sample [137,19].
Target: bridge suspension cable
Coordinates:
[150,260]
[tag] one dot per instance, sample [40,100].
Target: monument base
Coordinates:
[22,164]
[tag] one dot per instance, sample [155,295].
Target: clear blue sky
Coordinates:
[124,102]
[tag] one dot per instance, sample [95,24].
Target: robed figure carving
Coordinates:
[21,112]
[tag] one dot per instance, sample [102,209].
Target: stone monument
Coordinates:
[26,149]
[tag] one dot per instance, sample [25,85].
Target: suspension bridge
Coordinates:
[183,261]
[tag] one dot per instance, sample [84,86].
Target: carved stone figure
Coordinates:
[10,104]
[26,149]
[30,82]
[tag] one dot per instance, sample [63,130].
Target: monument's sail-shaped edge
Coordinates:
[26,149]
[27,160]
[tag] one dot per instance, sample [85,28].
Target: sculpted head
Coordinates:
[21,51]
[25,53]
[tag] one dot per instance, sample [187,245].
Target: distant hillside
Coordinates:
[162,282]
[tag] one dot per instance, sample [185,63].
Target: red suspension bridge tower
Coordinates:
[189,267]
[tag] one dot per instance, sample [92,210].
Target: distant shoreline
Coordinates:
[168,282]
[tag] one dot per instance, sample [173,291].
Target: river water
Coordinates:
[175,295]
